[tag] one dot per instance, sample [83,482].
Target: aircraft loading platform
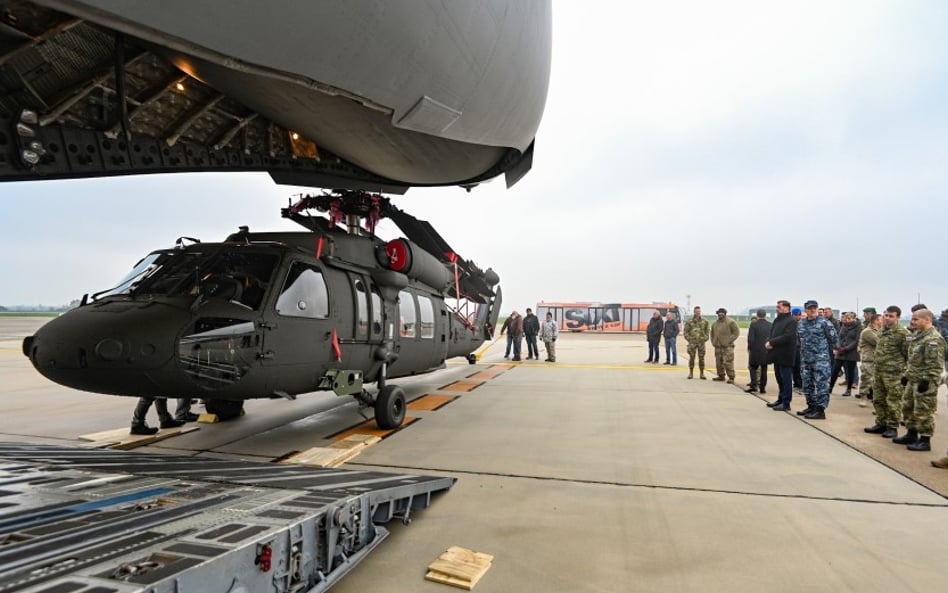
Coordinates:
[597,473]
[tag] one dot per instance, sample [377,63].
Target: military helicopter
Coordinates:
[273,315]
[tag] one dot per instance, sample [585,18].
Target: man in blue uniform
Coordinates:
[817,339]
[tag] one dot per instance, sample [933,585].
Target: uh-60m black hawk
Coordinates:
[278,314]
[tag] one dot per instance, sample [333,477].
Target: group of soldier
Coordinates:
[902,368]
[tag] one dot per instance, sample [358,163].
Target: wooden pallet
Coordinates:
[459,567]
[120,438]
[335,454]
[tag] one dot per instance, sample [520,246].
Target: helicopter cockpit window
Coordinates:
[427,317]
[362,308]
[144,267]
[376,312]
[304,293]
[240,277]
[406,314]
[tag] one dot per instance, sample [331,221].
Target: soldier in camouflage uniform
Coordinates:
[891,353]
[926,361]
[867,356]
[942,325]
[696,333]
[817,339]
[724,333]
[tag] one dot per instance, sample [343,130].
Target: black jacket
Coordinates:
[531,325]
[849,341]
[655,327]
[783,338]
[757,336]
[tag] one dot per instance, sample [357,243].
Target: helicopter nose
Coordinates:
[107,348]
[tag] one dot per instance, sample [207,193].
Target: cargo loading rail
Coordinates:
[100,521]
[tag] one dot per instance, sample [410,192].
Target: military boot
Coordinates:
[910,437]
[818,413]
[848,392]
[922,444]
[701,368]
[875,429]
[805,411]
[142,429]
[890,433]
[691,372]
[941,463]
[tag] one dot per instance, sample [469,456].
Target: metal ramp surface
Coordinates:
[102,521]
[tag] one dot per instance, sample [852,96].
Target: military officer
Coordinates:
[867,356]
[817,339]
[724,333]
[696,333]
[926,361]
[890,356]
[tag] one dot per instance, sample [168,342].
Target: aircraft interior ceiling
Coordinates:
[78,99]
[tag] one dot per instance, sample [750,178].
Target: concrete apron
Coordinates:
[600,473]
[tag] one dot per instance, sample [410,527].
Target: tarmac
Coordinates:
[594,473]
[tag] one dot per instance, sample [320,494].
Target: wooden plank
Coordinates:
[430,402]
[335,454]
[459,567]
[462,386]
[370,428]
[356,440]
[120,438]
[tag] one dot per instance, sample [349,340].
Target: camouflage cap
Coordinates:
[869,310]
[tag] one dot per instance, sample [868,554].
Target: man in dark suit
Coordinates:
[782,346]
[757,336]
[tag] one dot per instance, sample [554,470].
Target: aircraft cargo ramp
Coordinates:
[101,521]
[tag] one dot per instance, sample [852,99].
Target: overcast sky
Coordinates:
[736,152]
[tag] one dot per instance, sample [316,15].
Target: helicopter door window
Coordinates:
[406,314]
[304,293]
[376,327]
[362,308]
[427,317]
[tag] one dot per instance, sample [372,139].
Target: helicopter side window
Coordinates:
[304,293]
[376,312]
[406,314]
[427,317]
[362,308]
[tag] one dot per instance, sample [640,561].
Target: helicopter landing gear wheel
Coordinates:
[224,409]
[390,407]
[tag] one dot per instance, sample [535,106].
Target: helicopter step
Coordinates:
[77,520]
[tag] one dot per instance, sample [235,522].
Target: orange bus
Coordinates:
[605,317]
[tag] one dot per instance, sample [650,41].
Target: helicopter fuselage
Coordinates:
[263,315]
